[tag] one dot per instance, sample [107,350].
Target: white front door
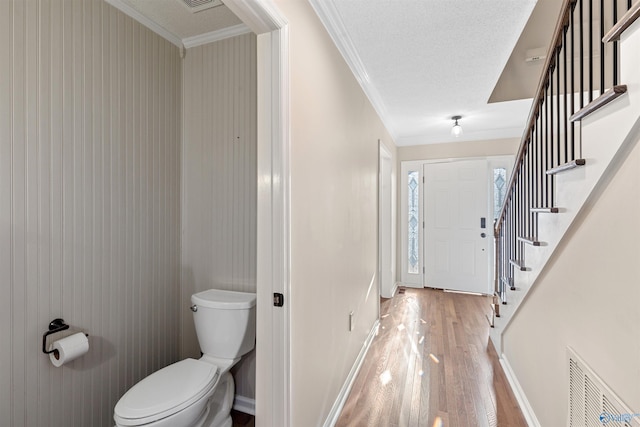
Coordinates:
[457,226]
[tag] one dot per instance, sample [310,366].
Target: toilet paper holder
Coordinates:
[55,326]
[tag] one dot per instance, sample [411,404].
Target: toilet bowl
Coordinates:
[197,393]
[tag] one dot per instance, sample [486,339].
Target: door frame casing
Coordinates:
[385,225]
[273,326]
[410,165]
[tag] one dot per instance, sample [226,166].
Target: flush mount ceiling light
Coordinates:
[456,130]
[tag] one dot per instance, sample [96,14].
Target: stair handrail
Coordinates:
[556,43]
[552,140]
[632,15]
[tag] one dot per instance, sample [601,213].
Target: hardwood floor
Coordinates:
[432,364]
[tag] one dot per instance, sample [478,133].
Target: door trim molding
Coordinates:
[385,155]
[405,165]
[273,340]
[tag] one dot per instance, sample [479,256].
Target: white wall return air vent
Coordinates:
[591,402]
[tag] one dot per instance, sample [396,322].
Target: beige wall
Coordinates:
[455,150]
[334,168]
[219,180]
[586,298]
[90,211]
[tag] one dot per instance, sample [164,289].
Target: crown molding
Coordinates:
[330,18]
[215,36]
[187,42]
[152,25]
[262,16]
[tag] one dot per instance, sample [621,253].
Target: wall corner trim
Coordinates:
[332,418]
[525,406]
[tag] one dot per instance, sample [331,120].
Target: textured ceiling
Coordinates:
[420,61]
[425,61]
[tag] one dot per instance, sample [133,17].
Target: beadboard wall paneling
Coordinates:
[219,179]
[90,106]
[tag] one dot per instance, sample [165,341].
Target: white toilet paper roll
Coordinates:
[68,349]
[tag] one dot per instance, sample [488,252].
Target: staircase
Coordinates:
[584,117]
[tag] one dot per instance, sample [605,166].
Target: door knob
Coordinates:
[483,235]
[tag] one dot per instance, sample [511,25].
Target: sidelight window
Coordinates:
[413,222]
[499,190]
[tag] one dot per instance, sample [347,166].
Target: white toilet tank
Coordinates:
[225,322]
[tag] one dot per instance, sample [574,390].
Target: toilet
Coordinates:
[197,393]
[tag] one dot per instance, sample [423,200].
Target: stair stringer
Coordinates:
[606,135]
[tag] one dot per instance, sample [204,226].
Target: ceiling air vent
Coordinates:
[200,5]
[591,402]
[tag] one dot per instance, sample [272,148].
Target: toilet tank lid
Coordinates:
[224,300]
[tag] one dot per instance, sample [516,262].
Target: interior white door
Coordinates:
[457,226]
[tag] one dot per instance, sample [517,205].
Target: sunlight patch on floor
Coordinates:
[385,377]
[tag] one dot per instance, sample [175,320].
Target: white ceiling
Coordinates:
[420,61]
[520,76]
[175,16]
[177,23]
[424,61]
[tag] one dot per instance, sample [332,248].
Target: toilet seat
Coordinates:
[166,392]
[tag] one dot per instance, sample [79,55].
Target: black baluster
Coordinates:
[566,111]
[591,50]
[581,32]
[558,139]
[615,45]
[602,70]
[573,79]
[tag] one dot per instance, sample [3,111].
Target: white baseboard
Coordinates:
[396,285]
[410,285]
[332,418]
[245,404]
[526,408]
